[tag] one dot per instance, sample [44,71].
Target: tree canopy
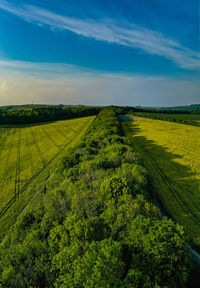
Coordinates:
[95,225]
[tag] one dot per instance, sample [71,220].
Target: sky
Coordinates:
[100,52]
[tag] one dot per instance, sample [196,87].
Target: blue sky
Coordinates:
[124,52]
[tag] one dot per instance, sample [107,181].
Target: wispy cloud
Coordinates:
[110,31]
[38,67]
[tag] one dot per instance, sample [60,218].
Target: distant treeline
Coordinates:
[26,114]
[129,109]
[94,226]
[44,114]
[31,106]
[170,118]
[163,111]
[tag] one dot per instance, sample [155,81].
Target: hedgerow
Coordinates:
[95,226]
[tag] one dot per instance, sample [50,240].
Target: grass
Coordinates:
[171,153]
[27,154]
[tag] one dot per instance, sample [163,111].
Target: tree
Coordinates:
[100,266]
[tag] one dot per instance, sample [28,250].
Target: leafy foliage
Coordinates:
[96,227]
[44,114]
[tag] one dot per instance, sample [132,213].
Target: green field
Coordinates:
[190,119]
[171,153]
[27,155]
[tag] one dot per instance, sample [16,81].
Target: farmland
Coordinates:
[94,225]
[28,153]
[171,154]
[191,119]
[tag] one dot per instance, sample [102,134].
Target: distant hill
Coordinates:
[184,108]
[192,107]
[189,109]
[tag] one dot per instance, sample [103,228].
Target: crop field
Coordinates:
[27,153]
[171,153]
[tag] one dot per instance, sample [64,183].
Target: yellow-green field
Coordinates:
[171,153]
[27,153]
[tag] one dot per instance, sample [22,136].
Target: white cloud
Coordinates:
[108,30]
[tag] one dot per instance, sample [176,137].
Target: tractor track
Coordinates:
[160,179]
[37,147]
[165,183]
[7,159]
[50,138]
[60,132]
[4,141]
[17,180]
[29,182]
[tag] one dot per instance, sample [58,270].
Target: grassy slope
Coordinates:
[28,153]
[171,154]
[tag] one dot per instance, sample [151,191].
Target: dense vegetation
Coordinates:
[27,115]
[31,106]
[170,152]
[95,226]
[189,118]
